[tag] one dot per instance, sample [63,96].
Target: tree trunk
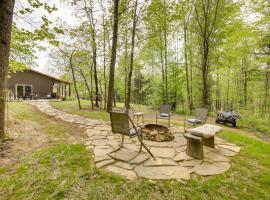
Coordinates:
[132,54]
[113,56]
[186,67]
[162,68]
[74,81]
[95,75]
[245,73]
[85,82]
[6,15]
[104,65]
[166,65]
[90,16]
[91,85]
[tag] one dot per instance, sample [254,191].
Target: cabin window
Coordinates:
[23,91]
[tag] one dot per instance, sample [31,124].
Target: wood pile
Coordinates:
[156,132]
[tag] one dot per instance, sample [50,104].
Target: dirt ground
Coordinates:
[26,136]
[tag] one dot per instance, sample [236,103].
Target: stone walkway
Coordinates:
[171,160]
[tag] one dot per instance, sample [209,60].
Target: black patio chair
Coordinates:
[164,113]
[120,123]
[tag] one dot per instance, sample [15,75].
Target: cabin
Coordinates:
[31,84]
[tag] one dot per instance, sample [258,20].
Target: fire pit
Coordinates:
[157,132]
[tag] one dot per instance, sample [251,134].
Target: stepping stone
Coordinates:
[190,163]
[216,157]
[182,142]
[101,158]
[160,162]
[139,159]
[94,137]
[102,152]
[133,147]
[103,128]
[230,147]
[124,154]
[180,149]
[104,163]
[207,169]
[225,152]
[182,156]
[99,142]
[163,152]
[163,172]
[129,174]
[158,144]
[124,165]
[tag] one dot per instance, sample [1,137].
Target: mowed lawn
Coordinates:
[66,171]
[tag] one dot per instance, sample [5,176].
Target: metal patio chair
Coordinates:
[201,115]
[120,123]
[164,113]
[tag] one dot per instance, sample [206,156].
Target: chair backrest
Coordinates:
[165,108]
[120,122]
[201,114]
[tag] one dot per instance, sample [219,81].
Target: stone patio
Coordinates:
[171,160]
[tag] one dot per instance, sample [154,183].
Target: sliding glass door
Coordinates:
[23,91]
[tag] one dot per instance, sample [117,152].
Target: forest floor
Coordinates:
[45,159]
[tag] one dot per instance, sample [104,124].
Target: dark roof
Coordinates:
[49,76]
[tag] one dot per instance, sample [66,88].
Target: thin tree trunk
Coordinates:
[162,68]
[6,16]
[126,67]
[104,65]
[245,70]
[166,65]
[132,54]
[90,16]
[113,56]
[91,85]
[85,82]
[74,81]
[186,67]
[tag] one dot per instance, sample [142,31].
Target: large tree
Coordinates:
[6,16]
[113,56]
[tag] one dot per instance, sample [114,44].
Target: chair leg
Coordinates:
[143,145]
[121,145]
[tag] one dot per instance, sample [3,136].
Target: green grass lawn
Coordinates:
[66,171]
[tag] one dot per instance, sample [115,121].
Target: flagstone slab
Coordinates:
[216,157]
[99,142]
[163,172]
[129,174]
[225,152]
[163,152]
[124,154]
[180,149]
[104,163]
[160,162]
[101,158]
[124,165]
[139,159]
[101,152]
[133,147]
[190,163]
[207,169]
[182,156]
[230,147]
